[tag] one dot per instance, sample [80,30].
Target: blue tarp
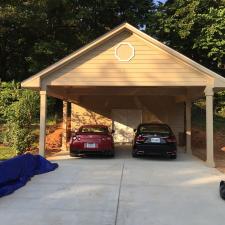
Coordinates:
[16,172]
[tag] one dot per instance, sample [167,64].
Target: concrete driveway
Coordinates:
[123,191]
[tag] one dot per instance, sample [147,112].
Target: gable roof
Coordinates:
[219,80]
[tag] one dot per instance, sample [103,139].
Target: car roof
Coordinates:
[94,125]
[163,124]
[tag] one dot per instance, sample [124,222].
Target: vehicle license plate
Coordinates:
[155,140]
[90,145]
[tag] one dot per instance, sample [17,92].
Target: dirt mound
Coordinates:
[198,138]
[54,139]
[199,146]
[219,140]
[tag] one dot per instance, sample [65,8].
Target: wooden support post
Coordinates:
[69,121]
[209,127]
[188,126]
[66,125]
[43,113]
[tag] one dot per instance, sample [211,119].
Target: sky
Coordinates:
[159,1]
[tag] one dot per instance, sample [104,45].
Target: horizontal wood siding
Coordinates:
[150,66]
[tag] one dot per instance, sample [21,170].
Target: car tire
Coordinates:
[111,155]
[173,156]
[74,155]
[134,155]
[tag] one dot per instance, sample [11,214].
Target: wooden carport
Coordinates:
[127,62]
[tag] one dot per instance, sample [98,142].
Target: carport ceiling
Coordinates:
[72,93]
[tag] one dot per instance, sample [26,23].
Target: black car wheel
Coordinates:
[134,155]
[173,156]
[111,155]
[74,155]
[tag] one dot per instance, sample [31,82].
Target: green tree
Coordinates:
[195,28]
[211,40]
[9,93]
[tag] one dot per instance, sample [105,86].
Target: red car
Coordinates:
[92,139]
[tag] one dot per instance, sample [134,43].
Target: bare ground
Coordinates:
[199,147]
[53,140]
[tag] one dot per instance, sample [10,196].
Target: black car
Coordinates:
[154,139]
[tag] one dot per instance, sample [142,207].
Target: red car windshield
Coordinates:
[94,129]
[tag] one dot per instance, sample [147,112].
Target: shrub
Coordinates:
[18,108]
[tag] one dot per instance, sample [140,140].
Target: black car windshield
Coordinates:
[154,129]
[94,129]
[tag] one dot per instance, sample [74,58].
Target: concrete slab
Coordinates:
[123,191]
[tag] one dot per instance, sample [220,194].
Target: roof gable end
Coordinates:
[35,81]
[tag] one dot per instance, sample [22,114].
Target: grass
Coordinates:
[6,153]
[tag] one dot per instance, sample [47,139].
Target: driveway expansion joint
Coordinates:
[118,200]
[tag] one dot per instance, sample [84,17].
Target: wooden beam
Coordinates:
[188,125]
[209,127]
[70,92]
[66,126]
[43,112]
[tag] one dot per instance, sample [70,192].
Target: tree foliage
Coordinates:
[36,33]
[211,40]
[18,109]
[194,27]
[9,93]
